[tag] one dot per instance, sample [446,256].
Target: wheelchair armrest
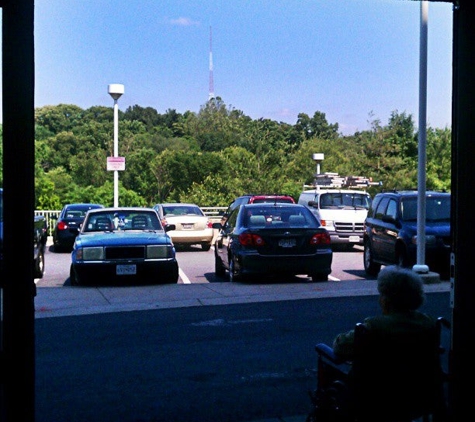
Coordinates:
[324,350]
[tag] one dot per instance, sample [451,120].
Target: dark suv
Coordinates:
[256,199]
[390,231]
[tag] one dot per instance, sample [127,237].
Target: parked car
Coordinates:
[124,244]
[40,236]
[252,198]
[68,224]
[272,239]
[192,226]
[390,235]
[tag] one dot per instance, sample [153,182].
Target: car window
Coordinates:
[438,209]
[231,221]
[272,200]
[271,217]
[122,220]
[381,209]
[392,209]
[409,209]
[75,213]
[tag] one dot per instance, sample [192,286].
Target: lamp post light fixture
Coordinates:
[116,91]
[318,158]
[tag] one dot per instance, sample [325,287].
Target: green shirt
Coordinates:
[404,322]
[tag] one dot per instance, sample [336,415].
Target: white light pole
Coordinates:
[421,266]
[115,91]
[318,158]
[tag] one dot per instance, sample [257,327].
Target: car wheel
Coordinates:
[73,278]
[401,257]
[219,269]
[172,278]
[40,264]
[206,246]
[233,272]
[371,267]
[319,277]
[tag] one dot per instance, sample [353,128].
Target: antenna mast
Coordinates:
[211,82]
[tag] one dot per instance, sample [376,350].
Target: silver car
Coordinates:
[192,226]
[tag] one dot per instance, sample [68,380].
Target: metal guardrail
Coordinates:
[214,213]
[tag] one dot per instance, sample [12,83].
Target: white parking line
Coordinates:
[183,277]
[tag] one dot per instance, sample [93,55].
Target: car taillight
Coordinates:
[249,239]
[209,224]
[62,225]
[320,239]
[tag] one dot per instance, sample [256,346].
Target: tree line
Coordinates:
[211,156]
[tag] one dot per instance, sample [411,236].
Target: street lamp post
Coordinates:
[318,158]
[115,91]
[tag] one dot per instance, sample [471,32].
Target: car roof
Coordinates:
[330,190]
[178,204]
[114,209]
[274,205]
[83,205]
[414,193]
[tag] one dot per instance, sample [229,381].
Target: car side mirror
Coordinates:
[389,219]
[313,204]
[169,227]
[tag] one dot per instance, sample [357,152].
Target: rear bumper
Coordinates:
[253,263]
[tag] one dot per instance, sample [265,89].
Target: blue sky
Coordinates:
[354,60]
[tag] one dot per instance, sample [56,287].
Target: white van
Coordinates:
[341,211]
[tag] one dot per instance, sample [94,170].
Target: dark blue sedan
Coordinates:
[68,224]
[125,245]
[272,239]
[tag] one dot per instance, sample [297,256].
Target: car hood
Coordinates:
[437,229]
[123,238]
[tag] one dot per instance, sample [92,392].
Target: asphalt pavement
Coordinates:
[51,302]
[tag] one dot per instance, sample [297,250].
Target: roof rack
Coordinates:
[334,180]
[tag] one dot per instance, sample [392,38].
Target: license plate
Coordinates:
[287,243]
[126,269]
[187,226]
[354,239]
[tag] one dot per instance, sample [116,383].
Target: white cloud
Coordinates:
[181,21]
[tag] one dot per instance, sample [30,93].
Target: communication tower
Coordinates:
[211,81]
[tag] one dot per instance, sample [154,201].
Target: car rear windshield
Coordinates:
[274,217]
[171,211]
[273,200]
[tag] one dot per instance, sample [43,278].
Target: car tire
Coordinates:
[233,272]
[319,277]
[219,269]
[206,246]
[371,268]
[73,278]
[39,268]
[173,279]
[401,257]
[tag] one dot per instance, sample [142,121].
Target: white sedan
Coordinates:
[192,226]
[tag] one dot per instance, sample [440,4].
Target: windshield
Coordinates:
[344,199]
[437,209]
[122,220]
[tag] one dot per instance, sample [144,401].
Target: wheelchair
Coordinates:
[393,377]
